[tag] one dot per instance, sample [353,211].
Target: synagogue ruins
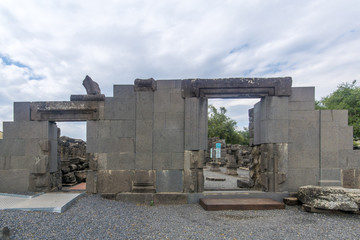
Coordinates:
[151,137]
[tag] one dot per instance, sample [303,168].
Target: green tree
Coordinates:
[346,96]
[220,125]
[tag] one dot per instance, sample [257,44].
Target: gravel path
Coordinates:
[229,183]
[92,217]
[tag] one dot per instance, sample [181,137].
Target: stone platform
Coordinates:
[212,204]
[48,202]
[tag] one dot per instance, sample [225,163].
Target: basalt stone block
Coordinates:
[119,108]
[168,161]
[22,130]
[169,140]
[144,176]
[124,91]
[162,101]
[107,145]
[21,111]
[169,181]
[168,84]
[297,177]
[12,147]
[175,121]
[302,106]
[159,120]
[302,94]
[340,117]
[114,181]
[144,105]
[120,161]
[144,160]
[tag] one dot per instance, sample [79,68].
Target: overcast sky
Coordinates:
[47,47]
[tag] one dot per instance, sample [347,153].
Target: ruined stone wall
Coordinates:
[28,158]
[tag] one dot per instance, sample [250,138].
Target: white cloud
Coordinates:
[314,41]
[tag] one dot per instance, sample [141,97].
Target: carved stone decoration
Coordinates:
[92,88]
[145,85]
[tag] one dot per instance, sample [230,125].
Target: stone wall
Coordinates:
[152,137]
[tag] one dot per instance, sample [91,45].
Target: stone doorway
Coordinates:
[73,158]
[230,163]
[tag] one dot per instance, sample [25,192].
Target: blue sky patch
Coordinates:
[9,62]
[238,49]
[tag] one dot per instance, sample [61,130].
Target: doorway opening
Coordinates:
[228,158]
[72,157]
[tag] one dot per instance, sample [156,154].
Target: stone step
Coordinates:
[147,189]
[213,204]
[143,187]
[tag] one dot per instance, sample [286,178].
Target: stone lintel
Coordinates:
[236,87]
[64,111]
[98,97]
[145,85]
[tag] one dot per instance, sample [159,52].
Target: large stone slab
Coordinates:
[330,198]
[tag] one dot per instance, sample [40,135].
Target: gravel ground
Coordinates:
[92,217]
[229,183]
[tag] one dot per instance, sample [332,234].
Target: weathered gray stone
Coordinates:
[331,198]
[169,181]
[114,181]
[92,88]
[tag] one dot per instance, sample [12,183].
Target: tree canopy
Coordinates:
[346,96]
[220,125]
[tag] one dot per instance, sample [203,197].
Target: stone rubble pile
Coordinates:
[73,159]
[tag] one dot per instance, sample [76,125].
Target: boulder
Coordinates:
[245,183]
[330,198]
